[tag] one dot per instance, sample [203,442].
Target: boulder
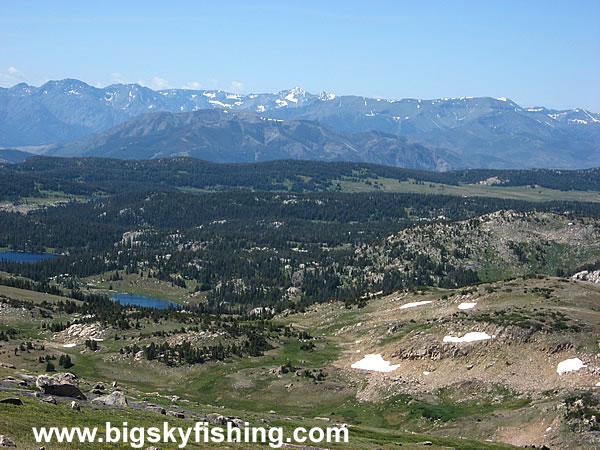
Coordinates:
[51,400]
[60,385]
[237,422]
[99,386]
[156,409]
[64,390]
[58,378]
[117,398]
[176,414]
[216,419]
[12,401]
[15,381]
[66,377]
[28,378]
[6,442]
[75,406]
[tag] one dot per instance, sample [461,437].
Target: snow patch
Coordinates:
[209,94]
[69,345]
[467,305]
[569,365]
[502,99]
[413,304]
[290,97]
[221,104]
[469,337]
[374,363]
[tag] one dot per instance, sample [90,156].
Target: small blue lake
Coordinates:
[140,300]
[23,257]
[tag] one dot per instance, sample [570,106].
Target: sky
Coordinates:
[533,52]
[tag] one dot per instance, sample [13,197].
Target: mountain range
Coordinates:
[451,132]
[220,135]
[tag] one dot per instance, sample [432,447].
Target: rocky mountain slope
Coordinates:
[521,356]
[498,245]
[482,132]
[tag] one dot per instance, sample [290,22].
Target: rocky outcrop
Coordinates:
[12,401]
[58,378]
[117,398]
[218,419]
[80,332]
[156,409]
[6,442]
[593,277]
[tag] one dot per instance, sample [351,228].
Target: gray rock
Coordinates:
[117,398]
[176,414]
[239,423]
[58,378]
[75,406]
[6,442]
[156,409]
[12,401]
[99,386]
[216,419]
[13,380]
[51,400]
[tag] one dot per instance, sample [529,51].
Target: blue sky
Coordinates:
[534,52]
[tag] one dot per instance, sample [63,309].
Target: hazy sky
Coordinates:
[534,52]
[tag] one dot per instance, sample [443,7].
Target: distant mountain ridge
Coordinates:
[243,136]
[475,132]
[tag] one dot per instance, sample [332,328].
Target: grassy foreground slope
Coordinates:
[505,389]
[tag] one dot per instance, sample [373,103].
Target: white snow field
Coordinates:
[374,363]
[469,337]
[569,365]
